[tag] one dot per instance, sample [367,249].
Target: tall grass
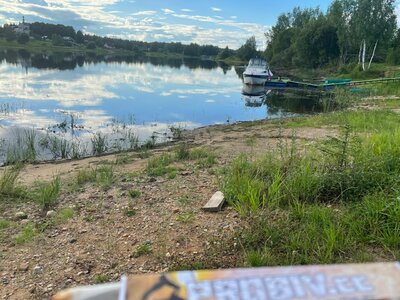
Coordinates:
[159,166]
[330,204]
[47,193]
[342,169]
[103,176]
[8,184]
[359,121]
[99,144]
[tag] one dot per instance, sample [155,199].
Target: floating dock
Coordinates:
[327,85]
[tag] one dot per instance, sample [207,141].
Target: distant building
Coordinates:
[68,39]
[23,27]
[107,46]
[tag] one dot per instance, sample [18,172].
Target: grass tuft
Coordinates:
[27,234]
[142,249]
[47,193]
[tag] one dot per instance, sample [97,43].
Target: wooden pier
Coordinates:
[290,84]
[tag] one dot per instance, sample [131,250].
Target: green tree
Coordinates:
[9,34]
[339,15]
[248,50]
[80,39]
[224,54]
[91,45]
[317,44]
[57,40]
[374,21]
[23,38]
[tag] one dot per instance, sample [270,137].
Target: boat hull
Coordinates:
[254,79]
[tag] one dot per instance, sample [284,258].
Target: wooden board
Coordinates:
[215,203]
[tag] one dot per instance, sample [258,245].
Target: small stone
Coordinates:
[21,215]
[37,270]
[69,281]
[73,241]
[50,214]
[168,254]
[23,267]
[152,179]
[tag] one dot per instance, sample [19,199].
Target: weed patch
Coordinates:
[142,249]
[26,235]
[134,194]
[159,166]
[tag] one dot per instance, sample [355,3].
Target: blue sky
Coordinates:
[219,22]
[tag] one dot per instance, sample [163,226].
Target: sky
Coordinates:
[218,22]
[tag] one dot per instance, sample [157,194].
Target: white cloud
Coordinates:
[216,9]
[145,13]
[95,17]
[168,11]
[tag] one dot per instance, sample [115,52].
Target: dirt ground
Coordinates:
[101,241]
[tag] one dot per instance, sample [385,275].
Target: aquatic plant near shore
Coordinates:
[99,144]
[23,148]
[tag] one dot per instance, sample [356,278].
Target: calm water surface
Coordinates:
[76,98]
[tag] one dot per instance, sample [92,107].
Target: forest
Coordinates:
[348,30]
[56,33]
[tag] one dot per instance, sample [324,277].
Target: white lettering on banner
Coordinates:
[297,287]
[281,287]
[344,285]
[252,289]
[199,290]
[226,290]
[316,284]
[361,284]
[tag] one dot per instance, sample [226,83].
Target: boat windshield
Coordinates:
[257,62]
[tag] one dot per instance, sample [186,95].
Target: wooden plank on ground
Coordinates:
[215,203]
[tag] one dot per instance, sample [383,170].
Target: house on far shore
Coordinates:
[68,39]
[23,28]
[107,46]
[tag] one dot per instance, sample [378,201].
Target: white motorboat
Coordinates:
[257,72]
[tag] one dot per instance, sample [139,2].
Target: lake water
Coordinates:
[66,105]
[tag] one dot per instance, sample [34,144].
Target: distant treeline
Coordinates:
[62,35]
[70,61]
[310,38]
